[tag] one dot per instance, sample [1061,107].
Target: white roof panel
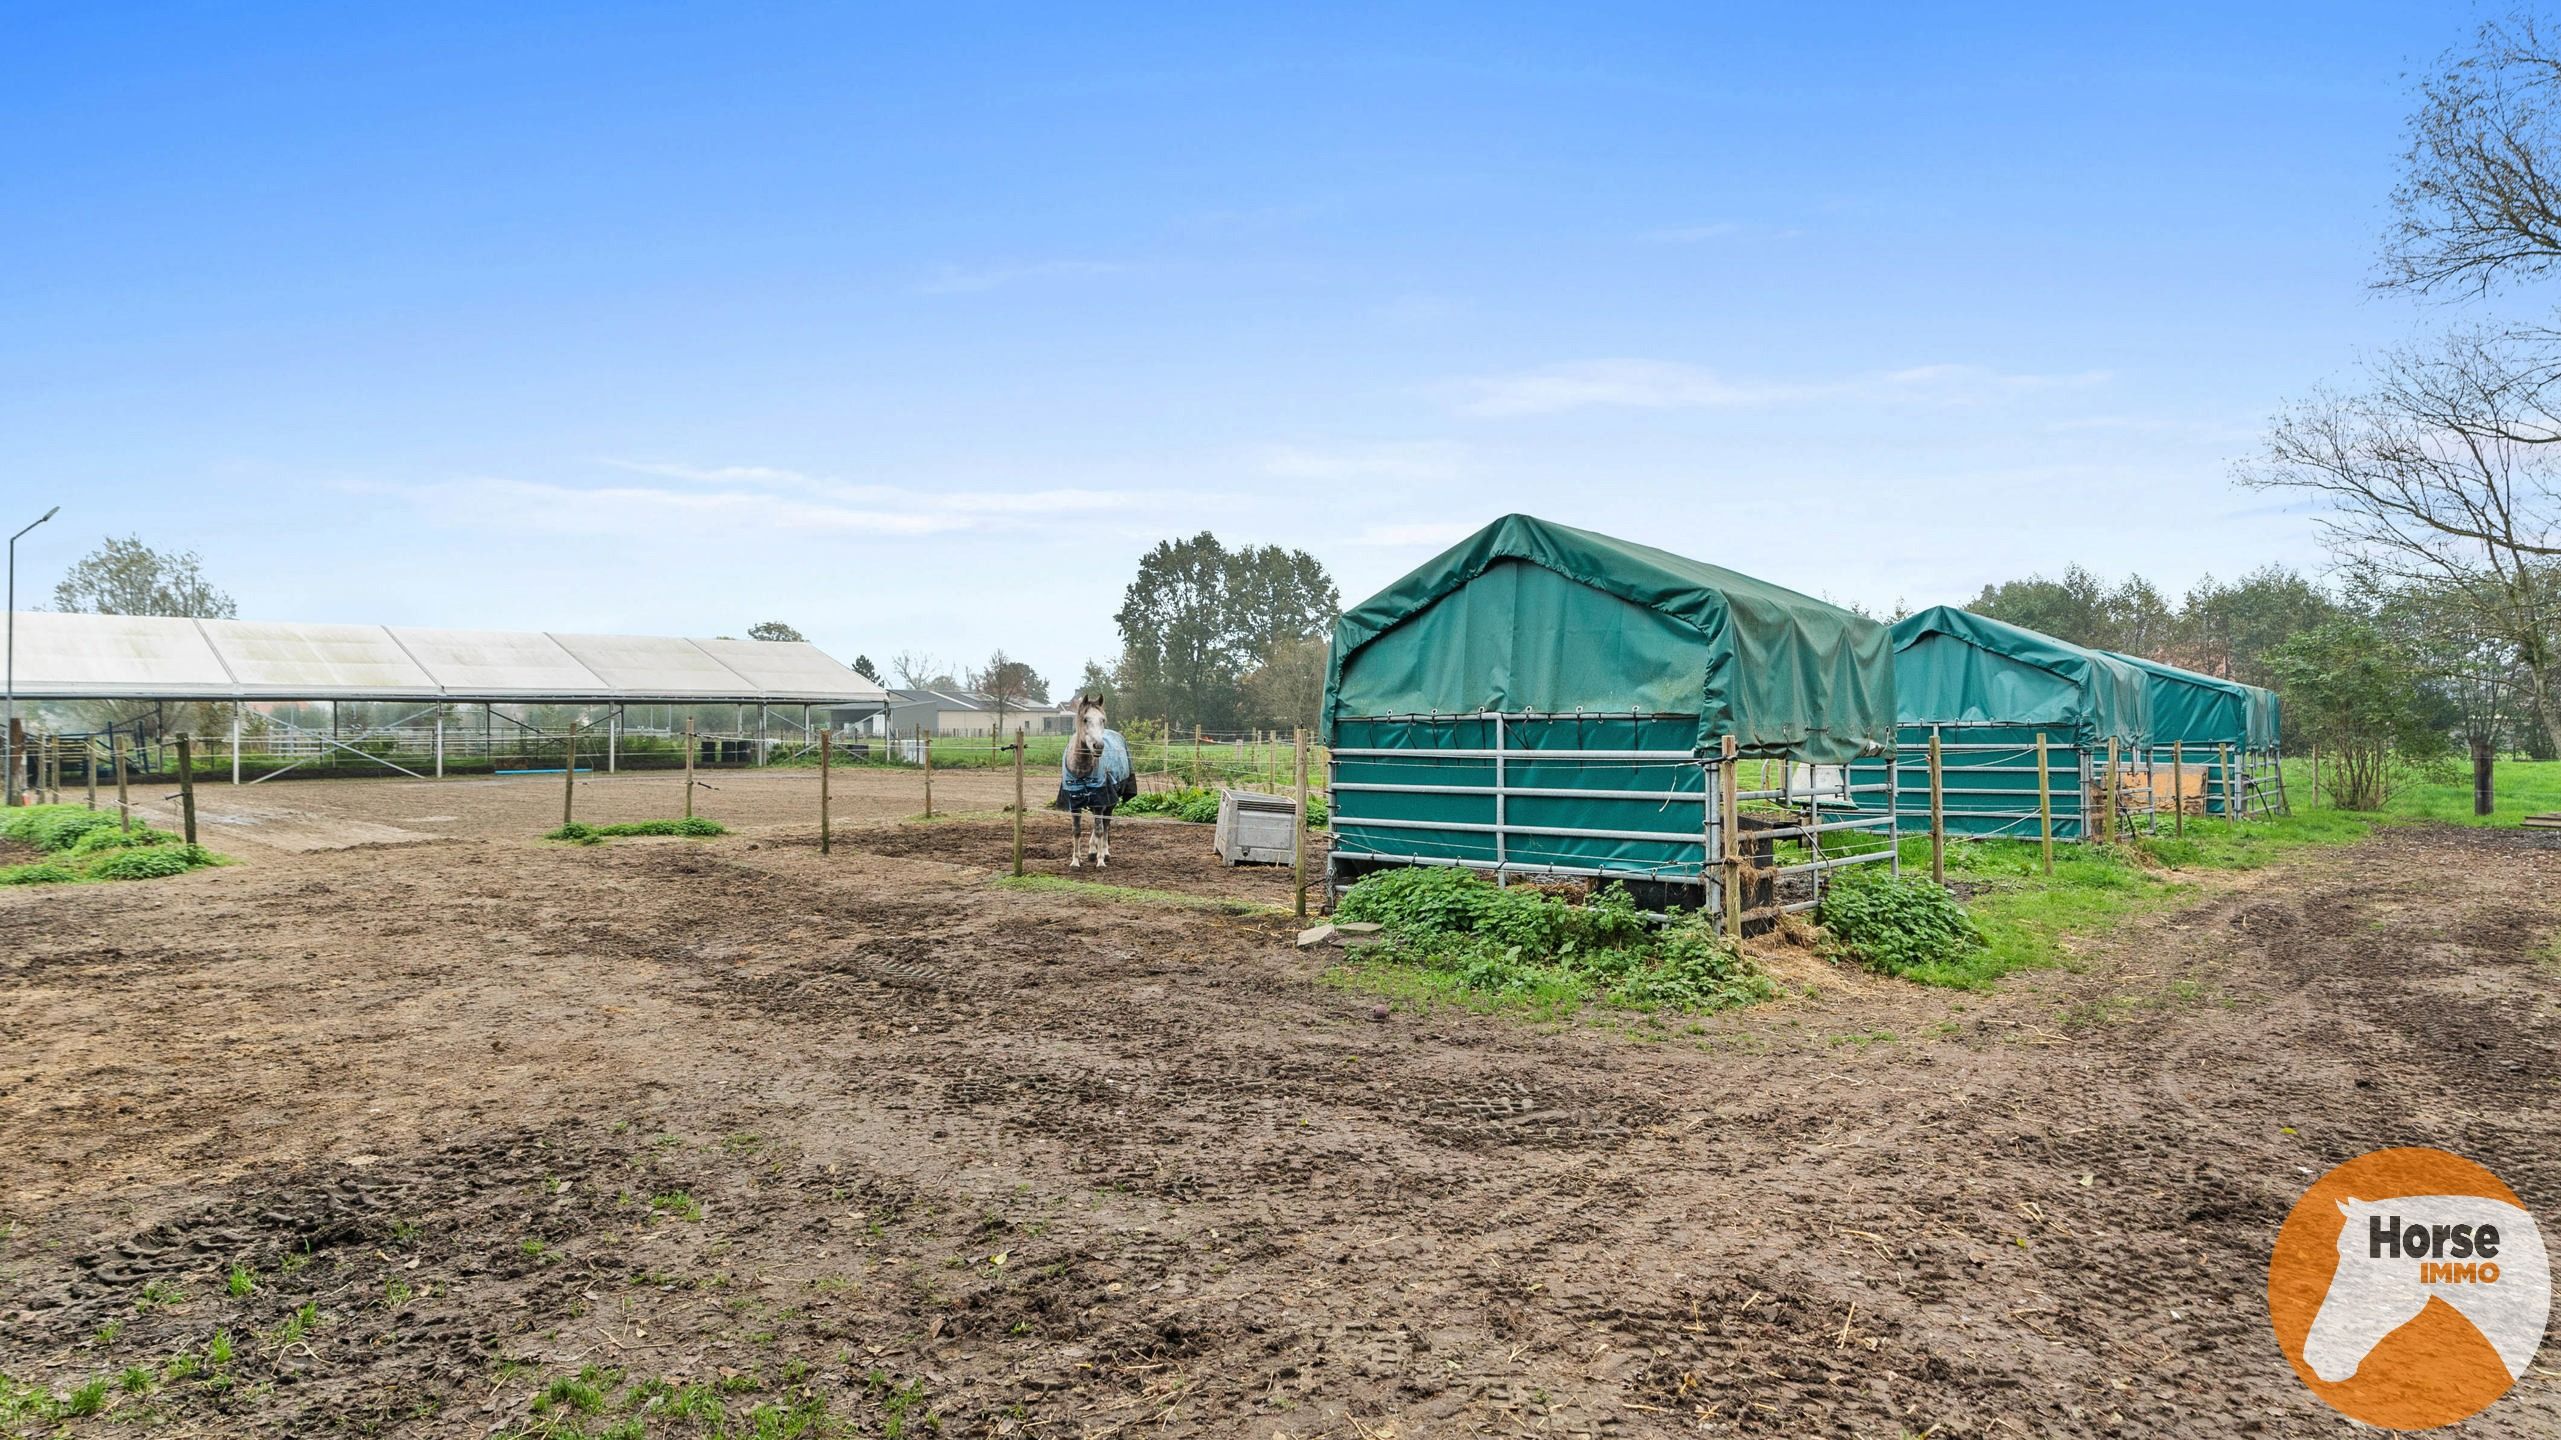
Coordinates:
[792,667]
[499,663]
[663,663]
[95,657]
[82,657]
[301,662]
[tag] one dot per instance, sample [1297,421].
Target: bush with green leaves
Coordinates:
[46,872]
[150,862]
[85,844]
[54,827]
[107,837]
[1520,944]
[1897,925]
[1199,806]
[579,833]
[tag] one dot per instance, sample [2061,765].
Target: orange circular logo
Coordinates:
[2409,1288]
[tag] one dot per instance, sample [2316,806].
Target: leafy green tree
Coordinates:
[1288,688]
[1098,681]
[2354,690]
[2229,630]
[1199,617]
[773,630]
[127,577]
[2074,608]
[866,669]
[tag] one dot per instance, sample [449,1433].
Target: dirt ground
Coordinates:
[871,1129]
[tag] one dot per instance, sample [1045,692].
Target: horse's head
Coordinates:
[1086,750]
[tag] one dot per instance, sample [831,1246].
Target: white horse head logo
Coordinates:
[2483,1257]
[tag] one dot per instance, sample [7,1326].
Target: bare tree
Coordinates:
[916,669]
[2436,479]
[2480,197]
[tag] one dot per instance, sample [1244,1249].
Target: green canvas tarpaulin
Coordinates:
[1953,667]
[2195,709]
[1526,616]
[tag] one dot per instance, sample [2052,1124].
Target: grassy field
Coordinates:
[2030,920]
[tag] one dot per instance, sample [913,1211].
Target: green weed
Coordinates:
[580,833]
[1901,926]
[1451,934]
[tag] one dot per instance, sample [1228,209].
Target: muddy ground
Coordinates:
[873,1133]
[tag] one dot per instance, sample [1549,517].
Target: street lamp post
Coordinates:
[9,706]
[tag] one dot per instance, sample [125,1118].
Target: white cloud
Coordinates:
[762,498]
[1673,385]
[1415,460]
[976,279]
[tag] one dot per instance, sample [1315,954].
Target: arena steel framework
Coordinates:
[158,660]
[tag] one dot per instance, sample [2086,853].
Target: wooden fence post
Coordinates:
[926,748]
[824,748]
[1938,815]
[1729,841]
[187,785]
[2044,806]
[124,802]
[1197,772]
[2179,785]
[2316,776]
[2230,810]
[569,774]
[1298,847]
[689,767]
[89,749]
[1018,800]
[2284,803]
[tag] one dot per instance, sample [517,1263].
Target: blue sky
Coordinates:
[916,327]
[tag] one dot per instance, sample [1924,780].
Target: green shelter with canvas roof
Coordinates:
[1539,699]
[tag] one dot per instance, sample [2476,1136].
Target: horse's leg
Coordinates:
[1102,841]
[1075,838]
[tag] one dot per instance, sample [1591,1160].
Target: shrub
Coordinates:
[104,838]
[45,873]
[54,827]
[1518,943]
[580,833]
[1897,925]
[154,862]
[1199,806]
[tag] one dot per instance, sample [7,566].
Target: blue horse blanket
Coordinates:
[1113,780]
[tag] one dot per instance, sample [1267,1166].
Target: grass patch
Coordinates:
[580,833]
[1200,806]
[1452,936]
[1060,884]
[2444,792]
[84,844]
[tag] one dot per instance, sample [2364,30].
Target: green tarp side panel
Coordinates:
[1985,794]
[1672,803]
[1953,667]
[2196,709]
[1528,616]
[2266,733]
